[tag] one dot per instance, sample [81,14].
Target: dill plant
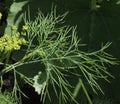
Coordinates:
[7,98]
[56,47]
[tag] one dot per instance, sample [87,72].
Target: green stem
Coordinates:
[7,59]
[85,91]
[92,23]
[93,5]
[92,27]
[77,88]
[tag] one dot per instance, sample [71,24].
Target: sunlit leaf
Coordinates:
[40,82]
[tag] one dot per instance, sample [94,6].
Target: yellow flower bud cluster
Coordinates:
[14,27]
[25,27]
[11,42]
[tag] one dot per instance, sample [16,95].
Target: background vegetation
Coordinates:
[96,24]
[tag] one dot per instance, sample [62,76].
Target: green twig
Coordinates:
[93,5]
[78,87]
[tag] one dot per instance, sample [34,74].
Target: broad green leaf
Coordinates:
[40,82]
[14,10]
